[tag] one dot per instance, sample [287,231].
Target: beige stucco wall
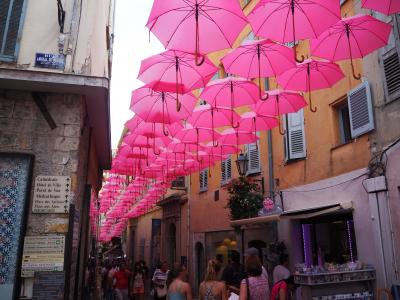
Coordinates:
[85,35]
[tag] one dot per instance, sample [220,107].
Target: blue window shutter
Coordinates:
[360,109]
[11,22]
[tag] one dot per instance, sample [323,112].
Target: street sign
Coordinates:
[48,285]
[42,253]
[51,194]
[50,61]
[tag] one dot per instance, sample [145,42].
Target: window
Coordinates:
[360,110]
[344,122]
[178,183]
[266,84]
[253,155]
[294,138]
[203,179]
[226,170]
[11,19]
[391,62]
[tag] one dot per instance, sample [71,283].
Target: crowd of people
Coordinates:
[236,281]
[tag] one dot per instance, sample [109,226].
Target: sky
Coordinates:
[131,45]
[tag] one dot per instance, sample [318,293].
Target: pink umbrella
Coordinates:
[135,140]
[351,38]
[387,7]
[175,71]
[208,116]
[192,135]
[234,137]
[256,59]
[250,122]
[187,25]
[311,75]
[291,20]
[152,130]
[230,92]
[159,107]
[280,102]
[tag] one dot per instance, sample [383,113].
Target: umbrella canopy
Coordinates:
[311,75]
[260,58]
[387,7]
[280,102]
[175,71]
[351,38]
[251,122]
[187,25]
[235,137]
[230,92]
[208,116]
[293,20]
[159,107]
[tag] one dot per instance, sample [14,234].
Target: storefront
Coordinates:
[329,268]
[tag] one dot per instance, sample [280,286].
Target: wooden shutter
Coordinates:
[203,178]
[391,69]
[253,154]
[11,12]
[226,170]
[295,136]
[360,109]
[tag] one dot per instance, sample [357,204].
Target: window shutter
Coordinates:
[360,110]
[253,154]
[11,12]
[296,138]
[203,178]
[226,170]
[391,69]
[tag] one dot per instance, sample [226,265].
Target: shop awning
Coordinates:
[257,220]
[318,211]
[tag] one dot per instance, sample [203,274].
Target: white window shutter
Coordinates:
[296,137]
[223,171]
[228,168]
[253,155]
[203,179]
[360,109]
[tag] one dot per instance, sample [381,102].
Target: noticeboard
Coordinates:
[42,253]
[48,285]
[50,61]
[51,194]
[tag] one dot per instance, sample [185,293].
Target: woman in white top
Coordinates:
[281,271]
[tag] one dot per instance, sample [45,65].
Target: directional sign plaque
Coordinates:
[52,194]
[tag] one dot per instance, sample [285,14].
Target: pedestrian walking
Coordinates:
[281,271]
[212,288]
[121,278]
[255,286]
[283,289]
[138,284]
[178,288]
[160,282]
[234,273]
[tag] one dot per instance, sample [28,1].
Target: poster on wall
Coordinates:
[15,177]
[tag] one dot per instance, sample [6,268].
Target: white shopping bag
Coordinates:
[233,296]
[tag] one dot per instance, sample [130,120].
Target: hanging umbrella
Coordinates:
[230,92]
[251,122]
[280,102]
[235,137]
[187,25]
[309,76]
[208,116]
[351,38]
[175,71]
[291,20]
[159,107]
[257,59]
[387,7]
[135,140]
[151,130]
[196,135]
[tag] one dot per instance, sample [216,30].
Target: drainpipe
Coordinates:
[270,165]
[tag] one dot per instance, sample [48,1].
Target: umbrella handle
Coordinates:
[295,55]
[255,130]
[265,97]
[165,131]
[178,105]
[312,109]
[197,50]
[281,130]
[358,76]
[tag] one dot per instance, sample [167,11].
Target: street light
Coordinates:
[242,164]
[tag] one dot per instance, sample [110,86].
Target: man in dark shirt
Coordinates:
[234,273]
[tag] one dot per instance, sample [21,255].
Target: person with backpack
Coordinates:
[234,273]
[283,289]
[255,286]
